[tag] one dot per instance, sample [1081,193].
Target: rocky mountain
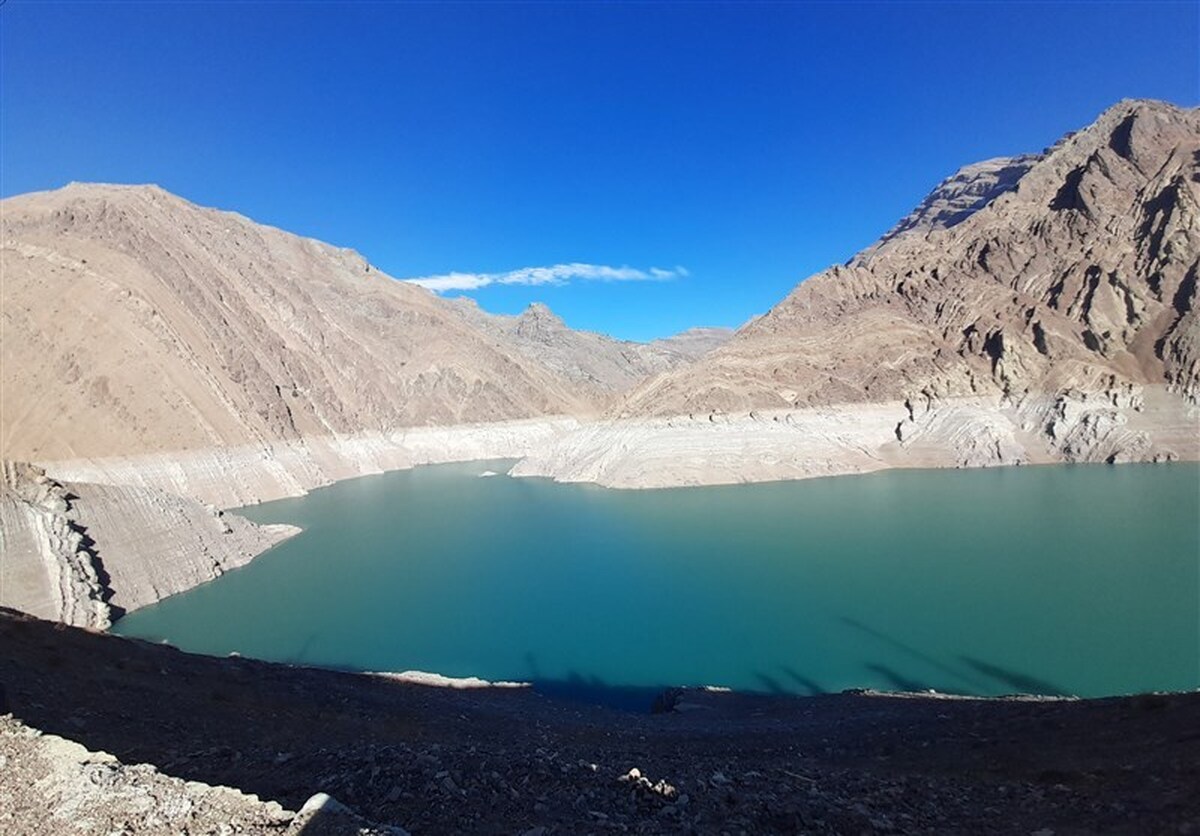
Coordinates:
[135,321]
[961,195]
[1079,274]
[1039,308]
[163,360]
[600,364]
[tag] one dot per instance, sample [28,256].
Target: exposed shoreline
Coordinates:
[87,540]
[141,528]
[234,477]
[1145,424]
[1149,423]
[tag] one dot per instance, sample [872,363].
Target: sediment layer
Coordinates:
[1139,424]
[84,553]
[230,477]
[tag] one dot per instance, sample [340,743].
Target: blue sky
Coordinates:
[734,148]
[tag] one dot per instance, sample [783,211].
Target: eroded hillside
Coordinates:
[1081,274]
[1031,309]
[137,322]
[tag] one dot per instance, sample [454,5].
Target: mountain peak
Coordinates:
[964,193]
[1019,277]
[539,312]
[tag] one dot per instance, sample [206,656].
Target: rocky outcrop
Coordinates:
[55,786]
[48,564]
[84,553]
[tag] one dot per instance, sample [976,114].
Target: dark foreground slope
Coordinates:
[436,760]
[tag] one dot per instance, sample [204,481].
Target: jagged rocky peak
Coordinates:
[540,312]
[539,322]
[964,193]
[538,309]
[1135,130]
[1140,126]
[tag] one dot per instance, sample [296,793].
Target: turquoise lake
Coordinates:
[1067,579]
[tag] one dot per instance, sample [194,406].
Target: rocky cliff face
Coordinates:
[84,553]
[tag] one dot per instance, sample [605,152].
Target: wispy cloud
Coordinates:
[557,274]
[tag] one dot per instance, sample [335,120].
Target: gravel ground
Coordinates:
[54,786]
[492,760]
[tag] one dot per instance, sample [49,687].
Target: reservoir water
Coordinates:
[1068,580]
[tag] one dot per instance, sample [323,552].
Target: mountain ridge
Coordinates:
[602,365]
[912,269]
[1055,322]
[191,327]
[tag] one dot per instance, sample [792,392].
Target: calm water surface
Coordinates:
[1081,580]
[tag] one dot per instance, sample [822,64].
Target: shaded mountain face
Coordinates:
[599,364]
[134,321]
[1078,275]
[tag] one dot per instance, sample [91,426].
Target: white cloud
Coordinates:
[557,274]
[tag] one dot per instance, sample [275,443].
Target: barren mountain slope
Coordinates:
[598,363]
[136,322]
[1031,310]
[1083,275]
